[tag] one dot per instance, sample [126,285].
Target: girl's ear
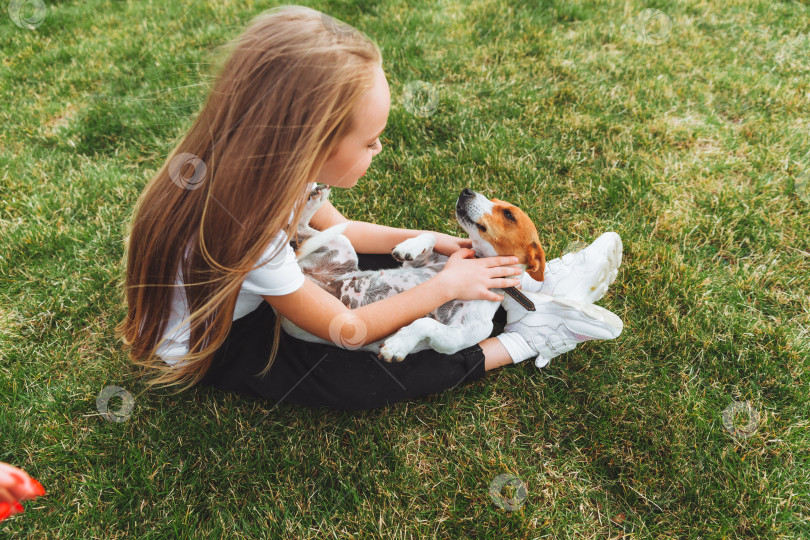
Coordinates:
[536,261]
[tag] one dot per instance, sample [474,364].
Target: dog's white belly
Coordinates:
[367,286]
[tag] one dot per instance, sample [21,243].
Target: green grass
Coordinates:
[695,150]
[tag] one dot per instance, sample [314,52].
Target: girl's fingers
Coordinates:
[505,272]
[462,253]
[501,284]
[499,261]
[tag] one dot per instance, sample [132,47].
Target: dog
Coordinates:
[495,228]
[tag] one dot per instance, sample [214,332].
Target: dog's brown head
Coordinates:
[497,227]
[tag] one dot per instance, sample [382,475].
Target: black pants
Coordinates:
[319,375]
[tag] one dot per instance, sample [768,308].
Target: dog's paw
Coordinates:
[385,358]
[394,350]
[414,248]
[319,193]
[390,353]
[390,359]
[317,197]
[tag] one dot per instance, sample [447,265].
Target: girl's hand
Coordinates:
[16,485]
[467,278]
[447,245]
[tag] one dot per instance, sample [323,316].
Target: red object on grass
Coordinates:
[40,490]
[7,510]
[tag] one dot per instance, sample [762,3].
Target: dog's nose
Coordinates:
[466,192]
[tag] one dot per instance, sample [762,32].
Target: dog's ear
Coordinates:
[535,261]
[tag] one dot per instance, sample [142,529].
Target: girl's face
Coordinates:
[353,154]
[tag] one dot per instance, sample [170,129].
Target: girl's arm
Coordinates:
[323,315]
[372,238]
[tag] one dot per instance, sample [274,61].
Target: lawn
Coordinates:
[683,126]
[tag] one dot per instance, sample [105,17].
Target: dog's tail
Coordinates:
[319,240]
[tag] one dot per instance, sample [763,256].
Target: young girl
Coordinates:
[209,262]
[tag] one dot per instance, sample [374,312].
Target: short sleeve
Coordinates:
[277,275]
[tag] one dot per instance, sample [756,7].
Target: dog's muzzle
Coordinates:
[464,197]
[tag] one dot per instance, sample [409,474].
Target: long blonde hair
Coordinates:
[281,102]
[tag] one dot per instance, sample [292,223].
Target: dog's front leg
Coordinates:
[415,250]
[440,337]
[317,197]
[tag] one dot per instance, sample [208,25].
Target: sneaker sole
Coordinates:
[589,319]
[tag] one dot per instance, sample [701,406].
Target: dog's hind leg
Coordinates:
[440,337]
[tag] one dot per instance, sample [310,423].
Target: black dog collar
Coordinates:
[519,297]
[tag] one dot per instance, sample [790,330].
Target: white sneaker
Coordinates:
[583,276]
[556,326]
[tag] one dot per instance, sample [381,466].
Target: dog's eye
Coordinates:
[508,215]
[481,227]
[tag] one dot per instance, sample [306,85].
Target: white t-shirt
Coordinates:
[277,275]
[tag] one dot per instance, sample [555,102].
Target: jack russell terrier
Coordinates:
[495,227]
